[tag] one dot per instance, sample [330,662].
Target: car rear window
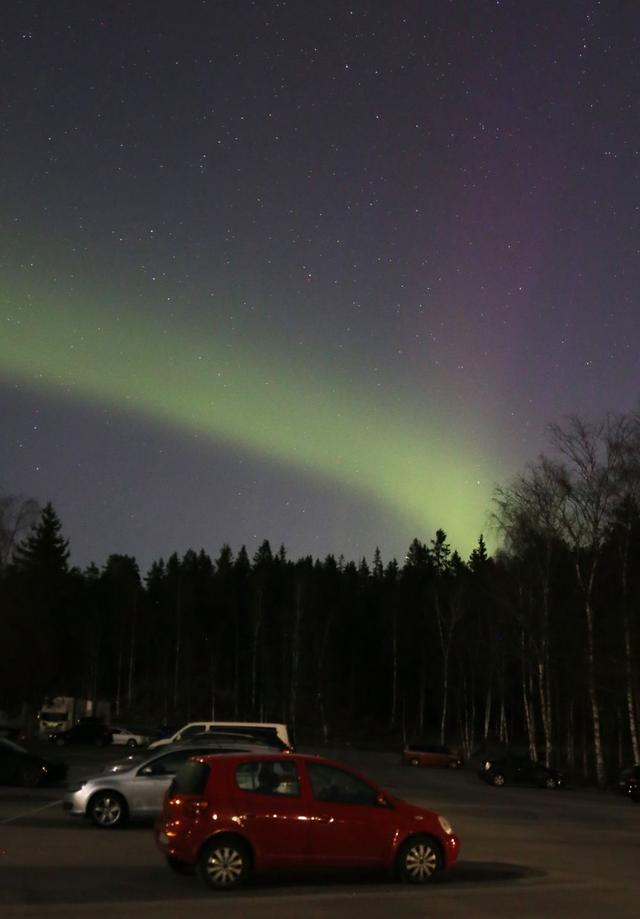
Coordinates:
[191,779]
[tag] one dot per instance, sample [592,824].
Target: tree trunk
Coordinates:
[257,623]
[445,695]
[132,652]
[570,739]
[487,713]
[176,667]
[628,650]
[394,665]
[527,701]
[295,657]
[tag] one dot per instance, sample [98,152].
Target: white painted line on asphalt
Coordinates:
[35,810]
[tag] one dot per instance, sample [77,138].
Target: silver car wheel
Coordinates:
[224,866]
[420,862]
[107,810]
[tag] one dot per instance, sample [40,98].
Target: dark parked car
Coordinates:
[20,767]
[229,816]
[519,770]
[629,783]
[421,754]
[87,730]
[269,741]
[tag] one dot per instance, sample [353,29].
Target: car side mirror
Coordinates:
[381,801]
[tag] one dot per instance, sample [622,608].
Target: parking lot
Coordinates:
[525,852]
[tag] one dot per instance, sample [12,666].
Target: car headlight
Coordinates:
[76,786]
[446,826]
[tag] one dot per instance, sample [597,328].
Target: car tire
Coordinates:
[224,863]
[414,762]
[107,809]
[132,743]
[418,860]
[498,780]
[550,782]
[454,764]
[178,866]
[60,741]
[30,776]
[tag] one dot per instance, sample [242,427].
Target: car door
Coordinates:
[273,809]
[351,825]
[146,789]
[524,771]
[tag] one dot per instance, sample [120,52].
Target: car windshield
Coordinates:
[53,716]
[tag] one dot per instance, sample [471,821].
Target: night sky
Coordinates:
[313,272]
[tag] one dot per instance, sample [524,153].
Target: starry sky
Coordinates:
[318,273]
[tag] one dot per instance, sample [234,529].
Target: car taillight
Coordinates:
[195,808]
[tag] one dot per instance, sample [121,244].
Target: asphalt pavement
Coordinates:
[525,853]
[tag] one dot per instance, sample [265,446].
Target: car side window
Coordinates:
[269,777]
[339,787]
[167,764]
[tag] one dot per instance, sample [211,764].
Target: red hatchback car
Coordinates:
[231,815]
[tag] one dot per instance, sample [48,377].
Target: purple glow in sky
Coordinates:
[386,243]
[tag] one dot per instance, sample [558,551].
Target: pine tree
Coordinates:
[44,553]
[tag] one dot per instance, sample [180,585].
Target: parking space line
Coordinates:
[34,810]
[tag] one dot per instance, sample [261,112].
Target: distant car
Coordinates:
[421,754]
[233,815]
[131,788]
[257,729]
[86,731]
[20,767]
[519,770]
[125,737]
[629,783]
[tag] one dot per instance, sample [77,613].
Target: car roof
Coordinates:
[270,754]
[241,748]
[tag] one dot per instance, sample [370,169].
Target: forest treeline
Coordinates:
[536,647]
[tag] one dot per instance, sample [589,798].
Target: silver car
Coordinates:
[135,787]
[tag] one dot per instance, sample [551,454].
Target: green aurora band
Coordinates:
[273,404]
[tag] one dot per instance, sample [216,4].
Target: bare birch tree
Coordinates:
[589,477]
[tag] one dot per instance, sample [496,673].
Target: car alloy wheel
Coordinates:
[132,743]
[550,782]
[107,810]
[414,762]
[498,779]
[418,860]
[224,864]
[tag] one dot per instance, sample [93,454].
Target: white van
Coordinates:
[255,729]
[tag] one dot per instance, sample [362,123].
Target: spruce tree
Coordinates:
[44,553]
